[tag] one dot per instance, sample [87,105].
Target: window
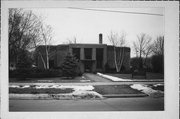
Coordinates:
[88,53]
[99,57]
[76,52]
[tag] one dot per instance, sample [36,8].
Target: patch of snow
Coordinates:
[85,87]
[19,86]
[86,93]
[54,86]
[46,86]
[145,89]
[14,86]
[76,88]
[83,91]
[113,78]
[25,86]
[41,86]
[158,85]
[79,88]
[80,92]
[83,77]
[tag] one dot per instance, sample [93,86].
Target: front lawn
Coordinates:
[31,90]
[53,92]
[101,89]
[115,89]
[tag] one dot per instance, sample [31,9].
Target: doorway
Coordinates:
[88,66]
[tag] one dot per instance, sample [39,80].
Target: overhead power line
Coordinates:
[142,13]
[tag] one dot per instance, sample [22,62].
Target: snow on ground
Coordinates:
[143,88]
[85,92]
[158,85]
[19,86]
[147,90]
[14,86]
[78,88]
[26,86]
[113,78]
[85,87]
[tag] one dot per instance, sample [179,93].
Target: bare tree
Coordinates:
[22,25]
[147,52]
[142,47]
[158,54]
[43,44]
[118,41]
[46,32]
[158,46]
[71,40]
[27,31]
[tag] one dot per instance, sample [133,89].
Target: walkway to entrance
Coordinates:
[95,78]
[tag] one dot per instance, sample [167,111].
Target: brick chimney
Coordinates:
[100,38]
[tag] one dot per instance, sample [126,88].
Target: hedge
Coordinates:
[35,73]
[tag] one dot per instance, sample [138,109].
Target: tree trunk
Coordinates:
[115,60]
[47,58]
[140,63]
[44,64]
[122,59]
[119,61]
[146,58]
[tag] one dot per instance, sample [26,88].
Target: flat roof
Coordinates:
[83,44]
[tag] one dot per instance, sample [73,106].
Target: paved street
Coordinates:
[109,104]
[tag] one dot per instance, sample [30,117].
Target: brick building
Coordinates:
[91,57]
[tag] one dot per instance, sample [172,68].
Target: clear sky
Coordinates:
[85,25]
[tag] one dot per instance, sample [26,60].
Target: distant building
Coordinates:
[92,57]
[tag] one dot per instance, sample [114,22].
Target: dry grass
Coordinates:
[39,91]
[115,89]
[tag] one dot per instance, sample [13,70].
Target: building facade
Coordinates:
[91,57]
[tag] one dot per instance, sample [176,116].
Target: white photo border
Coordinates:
[171,77]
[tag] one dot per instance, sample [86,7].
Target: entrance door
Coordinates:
[88,66]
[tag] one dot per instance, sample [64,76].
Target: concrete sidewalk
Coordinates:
[89,83]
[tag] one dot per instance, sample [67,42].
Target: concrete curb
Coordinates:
[124,95]
[57,97]
[50,97]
